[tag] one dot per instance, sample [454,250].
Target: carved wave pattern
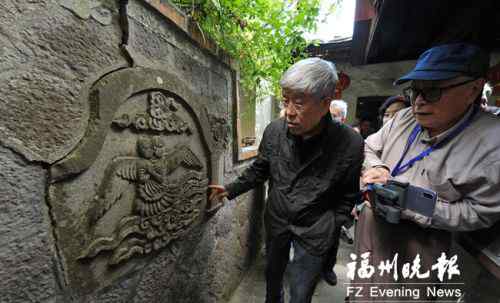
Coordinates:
[138,235]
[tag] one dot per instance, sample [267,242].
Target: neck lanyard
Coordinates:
[401,168]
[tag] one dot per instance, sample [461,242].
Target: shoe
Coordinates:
[346,236]
[330,277]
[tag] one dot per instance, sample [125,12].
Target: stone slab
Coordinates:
[27,267]
[48,57]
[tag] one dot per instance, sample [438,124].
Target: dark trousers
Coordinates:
[331,259]
[305,270]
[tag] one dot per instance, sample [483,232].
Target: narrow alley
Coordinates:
[253,287]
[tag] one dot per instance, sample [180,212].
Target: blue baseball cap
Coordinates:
[449,61]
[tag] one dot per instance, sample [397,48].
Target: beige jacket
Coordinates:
[465,172]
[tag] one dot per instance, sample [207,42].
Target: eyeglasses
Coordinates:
[298,104]
[429,94]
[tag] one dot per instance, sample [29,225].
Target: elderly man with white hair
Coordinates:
[313,166]
[338,110]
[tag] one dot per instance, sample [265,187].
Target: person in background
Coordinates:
[365,128]
[338,110]
[313,166]
[355,127]
[391,106]
[487,92]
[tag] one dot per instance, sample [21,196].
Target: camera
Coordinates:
[391,199]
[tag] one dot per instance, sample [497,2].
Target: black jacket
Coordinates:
[313,184]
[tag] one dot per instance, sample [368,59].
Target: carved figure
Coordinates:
[164,207]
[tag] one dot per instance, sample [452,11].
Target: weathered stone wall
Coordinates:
[56,57]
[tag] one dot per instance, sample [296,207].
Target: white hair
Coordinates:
[313,76]
[340,104]
[487,91]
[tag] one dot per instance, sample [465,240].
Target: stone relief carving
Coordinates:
[136,183]
[220,130]
[160,117]
[164,207]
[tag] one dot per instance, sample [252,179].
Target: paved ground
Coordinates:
[252,288]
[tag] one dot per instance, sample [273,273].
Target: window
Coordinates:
[252,115]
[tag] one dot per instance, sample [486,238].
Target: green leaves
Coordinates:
[264,35]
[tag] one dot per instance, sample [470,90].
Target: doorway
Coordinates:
[367,110]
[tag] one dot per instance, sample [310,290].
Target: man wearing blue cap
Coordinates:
[445,145]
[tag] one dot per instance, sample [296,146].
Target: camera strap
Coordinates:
[401,168]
